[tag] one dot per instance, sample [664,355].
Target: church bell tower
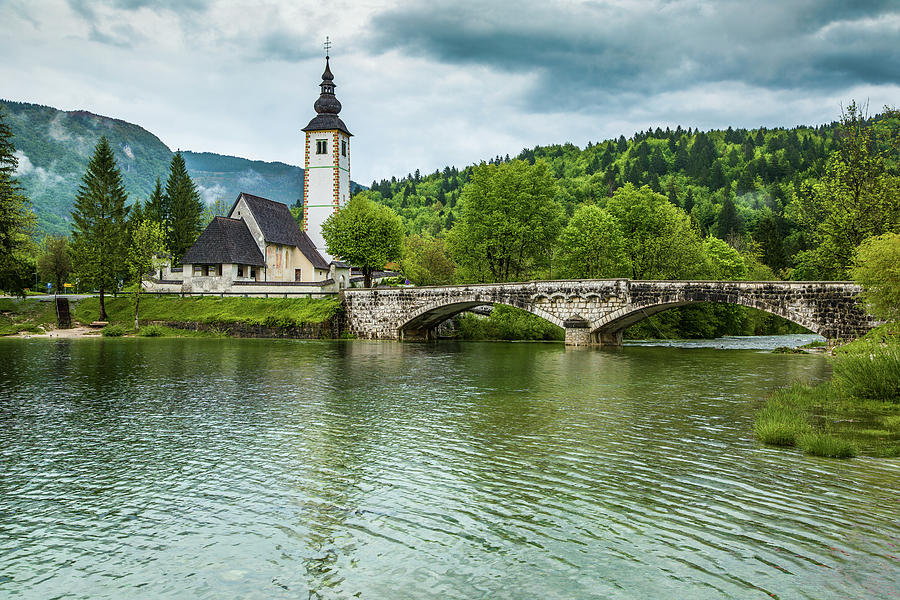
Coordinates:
[326,175]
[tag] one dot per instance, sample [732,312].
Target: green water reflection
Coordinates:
[147,468]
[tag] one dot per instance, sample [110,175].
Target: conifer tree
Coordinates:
[185,206]
[729,223]
[16,219]
[157,207]
[98,234]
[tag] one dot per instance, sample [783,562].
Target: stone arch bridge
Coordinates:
[598,311]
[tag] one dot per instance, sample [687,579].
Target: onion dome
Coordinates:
[327,106]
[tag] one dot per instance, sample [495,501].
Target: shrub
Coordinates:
[113,331]
[152,331]
[877,270]
[821,444]
[871,371]
[779,425]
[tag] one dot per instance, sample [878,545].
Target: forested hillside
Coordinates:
[54,148]
[736,184]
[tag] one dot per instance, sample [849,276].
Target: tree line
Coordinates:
[113,244]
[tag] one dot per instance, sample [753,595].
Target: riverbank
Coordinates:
[302,318]
[173,316]
[856,412]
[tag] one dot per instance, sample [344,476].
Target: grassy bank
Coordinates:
[856,412]
[263,312]
[17,315]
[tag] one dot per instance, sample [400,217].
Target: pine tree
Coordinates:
[16,219]
[185,206]
[98,234]
[157,208]
[729,223]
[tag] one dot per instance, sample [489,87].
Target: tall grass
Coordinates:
[871,371]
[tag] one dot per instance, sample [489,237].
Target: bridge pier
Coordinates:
[578,336]
[418,335]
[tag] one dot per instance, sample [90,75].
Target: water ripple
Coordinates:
[267,469]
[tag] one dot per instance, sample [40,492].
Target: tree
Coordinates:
[145,255]
[592,245]
[723,261]
[426,261]
[771,244]
[157,208]
[876,268]
[16,220]
[508,219]
[55,261]
[856,199]
[185,206]
[99,228]
[729,223]
[659,240]
[365,234]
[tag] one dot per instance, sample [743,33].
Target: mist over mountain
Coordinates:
[54,147]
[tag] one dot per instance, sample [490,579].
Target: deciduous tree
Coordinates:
[659,240]
[426,261]
[508,222]
[55,260]
[145,255]
[365,234]
[877,269]
[592,246]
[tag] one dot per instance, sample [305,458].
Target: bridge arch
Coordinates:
[421,323]
[613,324]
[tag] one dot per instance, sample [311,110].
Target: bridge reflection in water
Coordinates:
[598,311]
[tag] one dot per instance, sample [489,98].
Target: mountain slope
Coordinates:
[54,148]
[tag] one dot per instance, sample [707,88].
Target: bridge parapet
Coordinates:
[598,311]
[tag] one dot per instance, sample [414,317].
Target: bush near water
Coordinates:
[857,412]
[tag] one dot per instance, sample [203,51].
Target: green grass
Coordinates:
[25,315]
[821,444]
[268,312]
[113,331]
[211,311]
[870,371]
[857,412]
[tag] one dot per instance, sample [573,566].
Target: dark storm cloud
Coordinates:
[596,53]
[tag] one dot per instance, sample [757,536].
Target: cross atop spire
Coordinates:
[327,46]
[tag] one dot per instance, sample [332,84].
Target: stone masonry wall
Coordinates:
[601,309]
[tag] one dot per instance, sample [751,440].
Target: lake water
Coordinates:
[224,468]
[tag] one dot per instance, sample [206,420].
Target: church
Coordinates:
[258,248]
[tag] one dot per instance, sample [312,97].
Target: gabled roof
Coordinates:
[279,227]
[225,241]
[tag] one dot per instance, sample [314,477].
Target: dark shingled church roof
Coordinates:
[279,227]
[225,241]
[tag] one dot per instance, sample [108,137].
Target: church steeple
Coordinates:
[326,173]
[327,106]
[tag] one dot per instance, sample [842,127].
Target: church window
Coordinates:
[343,147]
[297,276]
[321,146]
[252,272]
[198,270]
[240,270]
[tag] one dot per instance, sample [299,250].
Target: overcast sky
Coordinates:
[426,84]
